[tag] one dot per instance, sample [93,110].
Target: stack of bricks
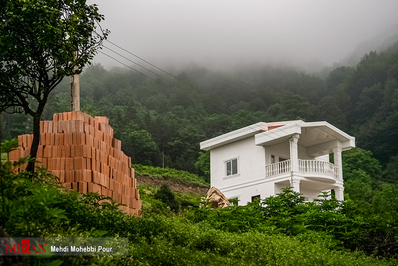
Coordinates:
[81,151]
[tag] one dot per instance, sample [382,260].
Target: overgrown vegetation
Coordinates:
[280,230]
[167,173]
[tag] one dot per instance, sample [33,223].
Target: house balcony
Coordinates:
[313,169]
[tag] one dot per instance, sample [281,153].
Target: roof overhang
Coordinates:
[319,137]
[242,133]
[233,136]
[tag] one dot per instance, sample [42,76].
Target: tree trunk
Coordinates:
[35,142]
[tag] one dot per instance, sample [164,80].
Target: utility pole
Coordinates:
[75,90]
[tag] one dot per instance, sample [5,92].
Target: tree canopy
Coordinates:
[41,42]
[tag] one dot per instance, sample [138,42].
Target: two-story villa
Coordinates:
[257,161]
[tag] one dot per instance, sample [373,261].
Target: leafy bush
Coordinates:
[286,213]
[167,197]
[281,230]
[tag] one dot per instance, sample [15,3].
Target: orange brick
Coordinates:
[59,139]
[79,126]
[55,127]
[69,163]
[47,151]
[40,151]
[102,119]
[96,143]
[68,138]
[99,135]
[90,187]
[87,175]
[111,184]
[97,188]
[89,140]
[54,151]
[132,173]
[106,181]
[41,128]
[50,127]
[83,187]
[96,177]
[42,140]
[124,199]
[86,151]
[56,117]
[88,164]
[78,163]
[78,150]
[49,139]
[137,194]
[61,176]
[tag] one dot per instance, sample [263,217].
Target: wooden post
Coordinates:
[75,91]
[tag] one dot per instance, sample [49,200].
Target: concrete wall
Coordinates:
[250,163]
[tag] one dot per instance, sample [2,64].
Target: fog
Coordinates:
[308,34]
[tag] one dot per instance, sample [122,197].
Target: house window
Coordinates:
[232,167]
[255,197]
[272,159]
[304,198]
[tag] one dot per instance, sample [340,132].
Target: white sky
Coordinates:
[224,32]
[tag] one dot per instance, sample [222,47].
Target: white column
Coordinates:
[339,193]
[294,153]
[338,163]
[296,185]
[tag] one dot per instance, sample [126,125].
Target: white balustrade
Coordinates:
[277,168]
[315,166]
[305,166]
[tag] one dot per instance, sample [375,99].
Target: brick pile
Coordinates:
[83,153]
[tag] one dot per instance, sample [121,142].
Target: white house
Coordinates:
[261,159]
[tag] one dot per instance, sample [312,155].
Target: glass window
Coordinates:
[257,197]
[232,167]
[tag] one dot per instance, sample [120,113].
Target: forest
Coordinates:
[161,123]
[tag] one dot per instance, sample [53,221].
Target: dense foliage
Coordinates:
[162,123]
[280,231]
[41,42]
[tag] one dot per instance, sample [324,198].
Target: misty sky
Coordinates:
[224,32]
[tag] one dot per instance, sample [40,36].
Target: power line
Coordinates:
[129,66]
[228,111]
[158,68]
[138,65]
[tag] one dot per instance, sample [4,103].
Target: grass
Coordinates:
[168,173]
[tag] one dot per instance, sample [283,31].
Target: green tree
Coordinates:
[203,165]
[359,159]
[41,42]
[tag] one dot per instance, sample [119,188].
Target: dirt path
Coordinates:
[175,185]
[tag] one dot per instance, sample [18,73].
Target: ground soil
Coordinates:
[174,184]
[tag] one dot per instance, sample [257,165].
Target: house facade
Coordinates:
[260,160]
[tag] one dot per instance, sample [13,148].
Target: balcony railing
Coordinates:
[305,166]
[277,168]
[314,166]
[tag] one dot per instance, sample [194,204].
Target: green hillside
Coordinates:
[282,230]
